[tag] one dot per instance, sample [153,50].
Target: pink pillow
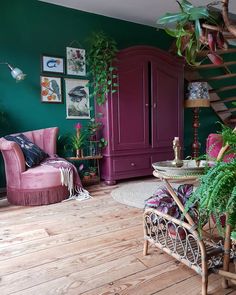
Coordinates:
[213,147]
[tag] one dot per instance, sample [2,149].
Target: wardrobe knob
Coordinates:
[132,164]
[154,105]
[146,105]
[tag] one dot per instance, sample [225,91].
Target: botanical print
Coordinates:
[75,58]
[51,89]
[52,64]
[77,99]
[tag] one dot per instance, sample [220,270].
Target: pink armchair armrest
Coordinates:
[13,156]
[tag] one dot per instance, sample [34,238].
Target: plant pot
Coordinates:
[86,177]
[79,153]
[173,233]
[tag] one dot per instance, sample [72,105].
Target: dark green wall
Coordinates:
[30,28]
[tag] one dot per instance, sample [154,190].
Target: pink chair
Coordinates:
[39,185]
[213,146]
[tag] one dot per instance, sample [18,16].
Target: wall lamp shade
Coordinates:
[198,95]
[15,72]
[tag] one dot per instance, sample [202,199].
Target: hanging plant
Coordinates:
[100,57]
[195,29]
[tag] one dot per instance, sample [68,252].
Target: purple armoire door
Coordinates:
[130,118]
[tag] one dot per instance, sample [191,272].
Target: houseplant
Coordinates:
[195,28]
[86,176]
[93,127]
[100,57]
[92,171]
[77,142]
[216,194]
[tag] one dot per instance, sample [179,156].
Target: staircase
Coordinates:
[221,80]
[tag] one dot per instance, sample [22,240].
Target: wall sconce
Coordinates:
[197,97]
[15,72]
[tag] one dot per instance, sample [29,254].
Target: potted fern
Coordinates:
[216,194]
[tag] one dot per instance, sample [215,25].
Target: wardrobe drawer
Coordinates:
[131,163]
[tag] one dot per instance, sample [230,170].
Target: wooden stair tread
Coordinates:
[231,87]
[219,77]
[227,111]
[219,51]
[224,100]
[212,66]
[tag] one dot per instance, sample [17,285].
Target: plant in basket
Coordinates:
[162,201]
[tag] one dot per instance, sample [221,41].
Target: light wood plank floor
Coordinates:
[92,248]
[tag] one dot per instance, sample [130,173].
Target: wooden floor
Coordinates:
[91,247]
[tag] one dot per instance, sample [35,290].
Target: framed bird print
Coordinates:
[52,64]
[51,89]
[77,99]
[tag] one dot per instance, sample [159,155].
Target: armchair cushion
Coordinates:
[33,153]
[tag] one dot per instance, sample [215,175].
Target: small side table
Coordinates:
[95,159]
[200,253]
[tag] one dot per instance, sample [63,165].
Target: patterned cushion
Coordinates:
[33,153]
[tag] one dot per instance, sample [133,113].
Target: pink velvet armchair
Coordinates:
[39,185]
[213,146]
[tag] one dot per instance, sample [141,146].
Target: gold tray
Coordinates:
[189,168]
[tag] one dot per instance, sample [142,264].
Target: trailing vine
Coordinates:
[101,55]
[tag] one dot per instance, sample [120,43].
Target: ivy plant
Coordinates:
[100,57]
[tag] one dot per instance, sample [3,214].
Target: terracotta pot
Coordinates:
[86,177]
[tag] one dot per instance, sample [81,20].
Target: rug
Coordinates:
[135,193]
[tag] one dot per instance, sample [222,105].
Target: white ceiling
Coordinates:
[138,11]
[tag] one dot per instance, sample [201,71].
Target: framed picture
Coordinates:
[75,61]
[53,64]
[77,99]
[51,90]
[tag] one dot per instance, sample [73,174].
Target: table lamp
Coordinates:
[197,97]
